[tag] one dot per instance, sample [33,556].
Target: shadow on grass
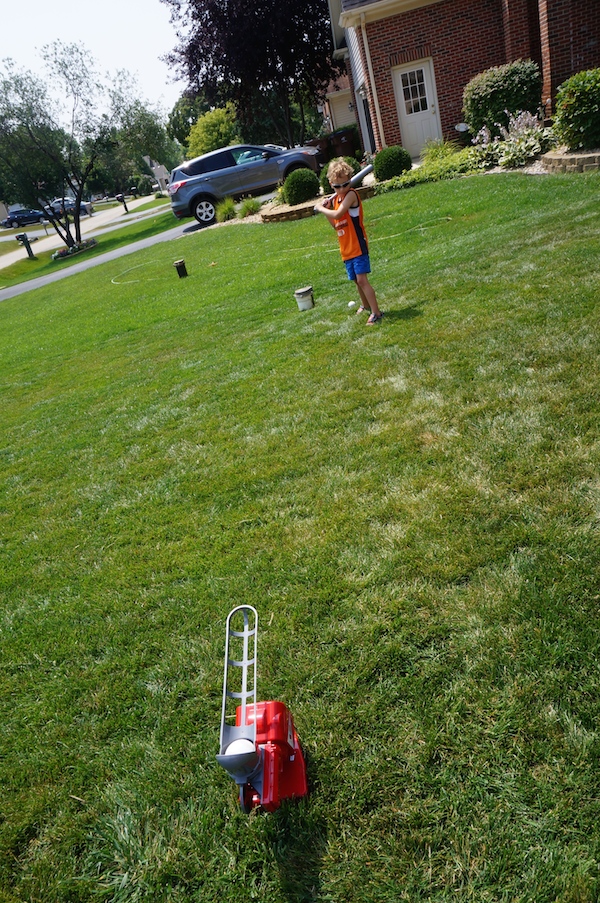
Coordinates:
[405,313]
[299,847]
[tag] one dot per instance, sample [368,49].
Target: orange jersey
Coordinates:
[351,231]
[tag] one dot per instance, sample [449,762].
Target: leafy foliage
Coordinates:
[390,162]
[217,128]
[249,207]
[491,96]
[225,210]
[577,120]
[49,149]
[324,180]
[436,168]
[186,111]
[523,140]
[276,50]
[301,185]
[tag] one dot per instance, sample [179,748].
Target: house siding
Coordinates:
[465,37]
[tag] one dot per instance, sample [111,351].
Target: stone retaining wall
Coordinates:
[561,161]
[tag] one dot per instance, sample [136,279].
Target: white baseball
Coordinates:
[351,303]
[239,746]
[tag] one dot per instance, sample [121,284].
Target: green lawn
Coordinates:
[127,233]
[412,508]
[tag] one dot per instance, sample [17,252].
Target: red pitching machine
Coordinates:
[261,751]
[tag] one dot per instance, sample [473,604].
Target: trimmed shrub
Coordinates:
[301,185]
[325,185]
[391,162]
[577,120]
[490,97]
[451,166]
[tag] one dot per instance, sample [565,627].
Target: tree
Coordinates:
[187,110]
[245,52]
[50,149]
[217,128]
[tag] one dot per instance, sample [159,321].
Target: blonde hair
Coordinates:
[339,169]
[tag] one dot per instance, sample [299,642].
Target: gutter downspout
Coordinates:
[363,29]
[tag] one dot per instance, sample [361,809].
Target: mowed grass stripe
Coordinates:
[413,509]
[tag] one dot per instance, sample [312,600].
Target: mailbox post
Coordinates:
[24,239]
[121,199]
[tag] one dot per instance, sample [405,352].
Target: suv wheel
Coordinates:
[204,211]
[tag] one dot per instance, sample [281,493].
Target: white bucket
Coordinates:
[304,298]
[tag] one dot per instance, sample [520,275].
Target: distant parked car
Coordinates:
[59,206]
[198,185]
[23,216]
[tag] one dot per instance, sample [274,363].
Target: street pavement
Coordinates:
[95,225]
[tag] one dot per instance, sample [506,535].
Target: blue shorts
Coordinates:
[357,265]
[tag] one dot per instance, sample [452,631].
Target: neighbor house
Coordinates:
[408,61]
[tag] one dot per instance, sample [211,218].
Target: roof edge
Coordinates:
[380,9]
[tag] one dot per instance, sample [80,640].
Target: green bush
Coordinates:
[225,210]
[391,162]
[249,207]
[577,120]
[491,96]
[325,184]
[144,185]
[436,169]
[301,185]
[518,144]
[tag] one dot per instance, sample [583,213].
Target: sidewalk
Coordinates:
[89,226]
[178,231]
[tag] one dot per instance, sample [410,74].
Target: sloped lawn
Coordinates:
[412,508]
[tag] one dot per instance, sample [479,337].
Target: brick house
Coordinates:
[408,61]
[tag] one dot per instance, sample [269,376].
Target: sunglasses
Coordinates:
[343,185]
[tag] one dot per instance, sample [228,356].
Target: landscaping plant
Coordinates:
[577,119]
[226,210]
[301,185]
[491,96]
[522,140]
[391,161]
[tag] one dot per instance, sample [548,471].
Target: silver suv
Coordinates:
[198,185]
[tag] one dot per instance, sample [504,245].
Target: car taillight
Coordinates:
[174,187]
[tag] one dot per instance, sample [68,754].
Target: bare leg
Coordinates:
[364,303]
[367,292]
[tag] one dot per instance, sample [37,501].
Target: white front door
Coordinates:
[416,103]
